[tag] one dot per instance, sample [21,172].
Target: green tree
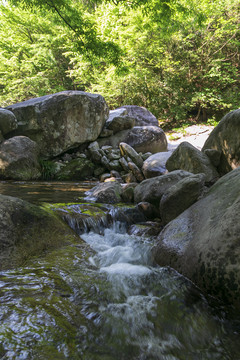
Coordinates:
[181,65]
[178,58]
[35,45]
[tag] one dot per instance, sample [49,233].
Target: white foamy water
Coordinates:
[126,269]
[123,258]
[119,252]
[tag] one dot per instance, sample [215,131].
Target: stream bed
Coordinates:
[104,298]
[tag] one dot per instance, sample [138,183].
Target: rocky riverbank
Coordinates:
[190,194]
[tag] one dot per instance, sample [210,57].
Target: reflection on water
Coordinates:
[52,192]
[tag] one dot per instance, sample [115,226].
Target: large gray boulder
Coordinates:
[181,196]
[226,139]
[155,164]
[61,121]
[152,190]
[8,121]
[203,243]
[142,116]
[141,138]
[27,230]
[19,159]
[189,158]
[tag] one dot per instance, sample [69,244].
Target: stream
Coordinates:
[104,298]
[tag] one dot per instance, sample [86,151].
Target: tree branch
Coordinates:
[51,4]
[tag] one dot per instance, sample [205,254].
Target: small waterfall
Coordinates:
[102,297]
[85,218]
[82,225]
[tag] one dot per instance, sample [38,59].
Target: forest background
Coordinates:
[178,58]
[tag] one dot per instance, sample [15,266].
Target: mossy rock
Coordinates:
[82,217]
[28,230]
[76,169]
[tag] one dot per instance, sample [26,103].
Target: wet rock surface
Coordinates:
[27,230]
[107,192]
[127,150]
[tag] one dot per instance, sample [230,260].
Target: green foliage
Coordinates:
[48,169]
[178,58]
[35,50]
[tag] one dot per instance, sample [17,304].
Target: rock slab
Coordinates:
[61,121]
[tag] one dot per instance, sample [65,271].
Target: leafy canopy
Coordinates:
[178,58]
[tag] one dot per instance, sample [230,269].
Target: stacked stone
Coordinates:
[124,163]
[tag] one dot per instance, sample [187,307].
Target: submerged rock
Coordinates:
[19,159]
[83,218]
[147,229]
[203,243]
[27,230]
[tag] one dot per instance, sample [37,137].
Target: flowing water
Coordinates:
[103,298]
